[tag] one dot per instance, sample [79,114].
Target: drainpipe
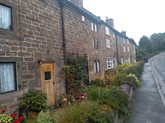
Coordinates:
[117,49]
[62,4]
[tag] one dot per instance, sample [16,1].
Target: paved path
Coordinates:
[147,103]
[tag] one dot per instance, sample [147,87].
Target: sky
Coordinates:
[136,17]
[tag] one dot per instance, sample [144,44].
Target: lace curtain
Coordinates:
[7,77]
[5,17]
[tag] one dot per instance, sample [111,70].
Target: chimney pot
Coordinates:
[124,33]
[110,22]
[77,2]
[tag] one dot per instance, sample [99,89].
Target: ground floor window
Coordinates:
[7,77]
[96,66]
[109,63]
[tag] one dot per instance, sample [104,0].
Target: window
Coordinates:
[129,61]
[108,43]
[113,36]
[109,63]
[5,17]
[107,30]
[127,41]
[96,66]
[134,49]
[92,26]
[82,18]
[122,61]
[95,43]
[124,49]
[7,77]
[123,41]
[95,27]
[128,49]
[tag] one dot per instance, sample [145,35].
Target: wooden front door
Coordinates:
[48,81]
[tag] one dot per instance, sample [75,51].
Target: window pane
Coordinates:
[7,77]
[107,43]
[48,75]
[5,17]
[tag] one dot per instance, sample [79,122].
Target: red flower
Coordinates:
[2,111]
[13,115]
[19,120]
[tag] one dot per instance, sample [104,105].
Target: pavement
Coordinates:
[149,99]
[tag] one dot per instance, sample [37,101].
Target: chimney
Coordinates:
[124,33]
[77,2]
[110,22]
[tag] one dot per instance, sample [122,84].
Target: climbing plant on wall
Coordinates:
[76,71]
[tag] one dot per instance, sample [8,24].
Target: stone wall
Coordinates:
[36,36]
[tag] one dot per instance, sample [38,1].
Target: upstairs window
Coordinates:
[92,26]
[5,17]
[83,18]
[7,77]
[123,40]
[96,66]
[107,30]
[109,63]
[108,43]
[95,43]
[128,49]
[124,50]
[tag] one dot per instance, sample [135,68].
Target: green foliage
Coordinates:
[97,82]
[136,69]
[120,78]
[76,72]
[112,97]
[118,101]
[45,117]
[145,44]
[86,112]
[5,118]
[34,100]
[133,80]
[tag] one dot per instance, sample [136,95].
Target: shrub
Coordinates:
[97,82]
[45,117]
[34,100]
[118,101]
[96,93]
[133,80]
[123,78]
[86,112]
[112,97]
[136,69]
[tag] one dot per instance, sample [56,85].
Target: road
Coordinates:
[149,100]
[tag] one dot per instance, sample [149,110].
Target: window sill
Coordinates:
[7,96]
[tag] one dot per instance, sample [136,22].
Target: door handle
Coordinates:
[53,82]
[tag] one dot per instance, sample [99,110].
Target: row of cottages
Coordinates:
[37,35]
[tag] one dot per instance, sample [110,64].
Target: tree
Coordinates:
[145,44]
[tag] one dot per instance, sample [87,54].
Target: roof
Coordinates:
[84,11]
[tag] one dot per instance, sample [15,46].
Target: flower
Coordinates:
[13,115]
[19,120]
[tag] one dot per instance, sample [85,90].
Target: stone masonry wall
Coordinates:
[36,36]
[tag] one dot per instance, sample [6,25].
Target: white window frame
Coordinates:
[108,43]
[129,61]
[96,66]
[95,27]
[122,61]
[5,17]
[82,18]
[128,49]
[92,26]
[110,64]
[107,30]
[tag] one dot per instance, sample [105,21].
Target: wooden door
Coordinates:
[48,81]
